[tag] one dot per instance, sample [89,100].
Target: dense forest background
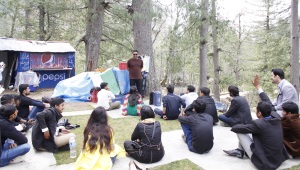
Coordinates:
[188,40]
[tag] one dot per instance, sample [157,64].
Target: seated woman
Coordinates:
[99,150]
[132,103]
[145,145]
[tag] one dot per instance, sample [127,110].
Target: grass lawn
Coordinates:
[123,129]
[184,164]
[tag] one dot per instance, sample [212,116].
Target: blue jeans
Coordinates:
[188,135]
[158,112]
[10,154]
[34,111]
[225,119]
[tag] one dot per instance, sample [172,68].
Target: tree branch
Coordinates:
[116,41]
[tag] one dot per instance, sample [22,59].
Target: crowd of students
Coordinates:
[268,141]
[16,118]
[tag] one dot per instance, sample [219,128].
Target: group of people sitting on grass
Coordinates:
[16,118]
[268,141]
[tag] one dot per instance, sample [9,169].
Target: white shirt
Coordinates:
[104,97]
[189,98]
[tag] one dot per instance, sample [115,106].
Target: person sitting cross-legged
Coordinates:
[171,105]
[46,136]
[17,145]
[104,98]
[132,103]
[265,147]
[239,110]
[198,128]
[145,145]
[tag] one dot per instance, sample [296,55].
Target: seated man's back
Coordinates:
[198,128]
[171,105]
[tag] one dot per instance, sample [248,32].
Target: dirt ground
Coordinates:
[69,106]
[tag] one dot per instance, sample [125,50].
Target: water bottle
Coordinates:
[72,144]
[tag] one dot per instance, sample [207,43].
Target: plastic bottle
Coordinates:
[72,144]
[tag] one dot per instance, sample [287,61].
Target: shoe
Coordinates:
[183,138]
[224,124]
[236,152]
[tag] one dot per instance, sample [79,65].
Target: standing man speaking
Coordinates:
[134,66]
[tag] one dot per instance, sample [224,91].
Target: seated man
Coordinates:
[239,110]
[46,136]
[265,148]
[210,105]
[17,145]
[198,128]
[190,95]
[171,105]
[290,122]
[104,96]
[25,102]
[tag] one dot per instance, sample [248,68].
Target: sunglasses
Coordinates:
[135,54]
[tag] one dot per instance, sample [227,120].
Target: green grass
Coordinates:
[123,129]
[297,167]
[184,164]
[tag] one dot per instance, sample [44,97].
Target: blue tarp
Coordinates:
[77,88]
[122,77]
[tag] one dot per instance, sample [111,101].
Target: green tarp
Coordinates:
[109,77]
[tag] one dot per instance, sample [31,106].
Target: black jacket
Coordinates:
[9,131]
[25,102]
[202,131]
[45,119]
[267,147]
[210,108]
[239,111]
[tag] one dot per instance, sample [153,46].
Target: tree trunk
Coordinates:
[295,45]
[27,19]
[14,17]
[142,18]
[42,13]
[216,89]
[238,56]
[95,17]
[203,43]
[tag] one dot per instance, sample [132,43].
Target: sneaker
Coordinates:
[183,138]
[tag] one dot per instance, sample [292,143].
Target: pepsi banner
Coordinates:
[48,61]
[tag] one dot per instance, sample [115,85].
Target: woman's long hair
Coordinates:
[98,131]
[134,96]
